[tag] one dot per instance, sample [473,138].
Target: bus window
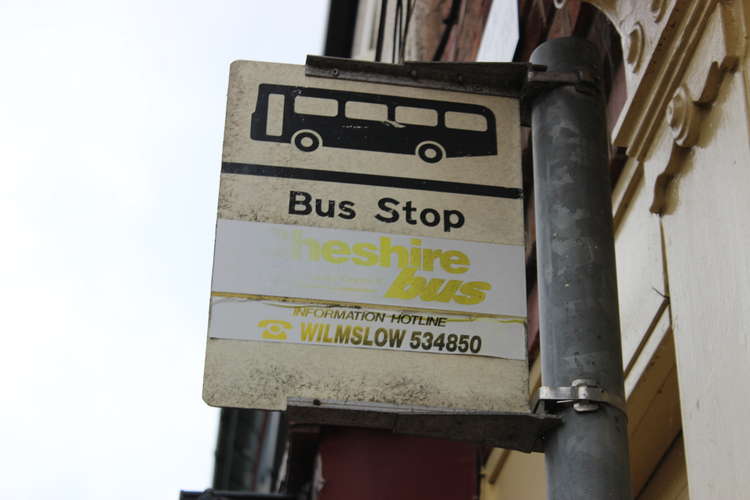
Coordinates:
[275,123]
[366,111]
[465,121]
[304,105]
[416,116]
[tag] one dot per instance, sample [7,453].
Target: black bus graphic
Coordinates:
[310,117]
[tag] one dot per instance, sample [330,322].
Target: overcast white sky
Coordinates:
[111,120]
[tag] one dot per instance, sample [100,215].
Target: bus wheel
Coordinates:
[430,152]
[306,140]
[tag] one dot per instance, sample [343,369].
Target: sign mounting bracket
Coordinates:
[517,80]
[518,431]
[498,79]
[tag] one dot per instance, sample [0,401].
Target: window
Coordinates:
[366,111]
[316,106]
[465,121]
[416,116]
[275,123]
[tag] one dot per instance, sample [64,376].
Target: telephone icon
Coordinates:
[275,329]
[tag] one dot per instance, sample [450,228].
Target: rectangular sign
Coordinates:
[344,209]
[368,268]
[240,318]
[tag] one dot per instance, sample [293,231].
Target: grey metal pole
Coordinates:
[587,457]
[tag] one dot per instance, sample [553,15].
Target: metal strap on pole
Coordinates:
[584,395]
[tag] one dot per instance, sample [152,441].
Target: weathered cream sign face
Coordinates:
[373,223]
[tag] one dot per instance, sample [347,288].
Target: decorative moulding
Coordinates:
[658,8]
[715,55]
[634,44]
[683,118]
[676,54]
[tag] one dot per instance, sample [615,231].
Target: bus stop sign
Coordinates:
[369,246]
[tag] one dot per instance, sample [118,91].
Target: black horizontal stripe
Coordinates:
[370,180]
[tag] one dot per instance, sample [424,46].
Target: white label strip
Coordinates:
[341,265]
[417,331]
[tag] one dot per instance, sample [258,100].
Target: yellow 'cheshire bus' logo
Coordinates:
[408,284]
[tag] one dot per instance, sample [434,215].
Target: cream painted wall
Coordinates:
[706,235]
[695,152]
